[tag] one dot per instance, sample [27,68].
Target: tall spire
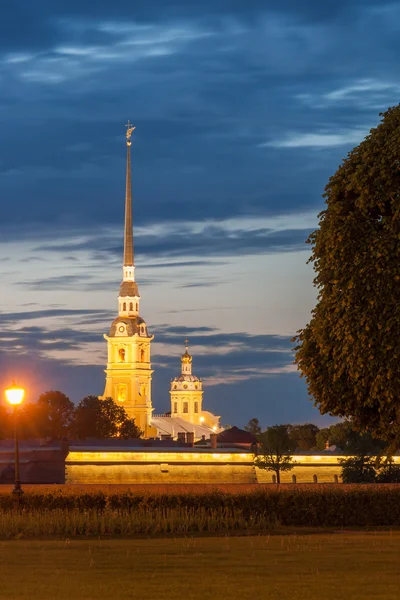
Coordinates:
[128,237]
[128,299]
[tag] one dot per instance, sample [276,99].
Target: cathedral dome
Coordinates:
[186,378]
[128,326]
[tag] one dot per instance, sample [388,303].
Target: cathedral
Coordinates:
[129,372]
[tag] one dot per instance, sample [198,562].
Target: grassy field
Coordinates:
[313,567]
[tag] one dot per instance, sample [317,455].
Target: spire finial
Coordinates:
[129,129]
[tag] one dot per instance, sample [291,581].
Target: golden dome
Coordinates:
[186,358]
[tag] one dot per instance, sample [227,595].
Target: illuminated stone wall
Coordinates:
[159,467]
[191,466]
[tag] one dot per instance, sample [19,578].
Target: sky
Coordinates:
[243,110]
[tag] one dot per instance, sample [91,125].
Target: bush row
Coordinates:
[336,506]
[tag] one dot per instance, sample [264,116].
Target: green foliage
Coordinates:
[358,469]
[65,512]
[253,426]
[303,437]
[102,419]
[388,472]
[128,430]
[55,414]
[275,450]
[350,350]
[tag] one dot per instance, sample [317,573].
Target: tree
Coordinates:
[275,451]
[102,419]
[358,469]
[5,424]
[339,434]
[253,426]
[303,437]
[349,352]
[129,430]
[55,415]
[388,472]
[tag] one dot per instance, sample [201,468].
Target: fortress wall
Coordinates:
[160,473]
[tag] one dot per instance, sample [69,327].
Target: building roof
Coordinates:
[130,289]
[173,425]
[133,325]
[234,435]
[185,377]
[140,445]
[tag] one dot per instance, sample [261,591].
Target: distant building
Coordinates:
[129,372]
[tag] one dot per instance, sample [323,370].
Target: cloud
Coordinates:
[206,84]
[362,87]
[184,240]
[364,94]
[320,139]
[13,317]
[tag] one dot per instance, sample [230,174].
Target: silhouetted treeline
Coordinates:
[55,416]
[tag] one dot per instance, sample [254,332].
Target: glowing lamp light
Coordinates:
[14,394]
[201,419]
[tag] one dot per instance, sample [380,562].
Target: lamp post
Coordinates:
[15,395]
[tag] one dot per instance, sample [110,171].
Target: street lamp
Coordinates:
[15,395]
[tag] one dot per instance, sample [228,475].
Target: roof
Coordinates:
[234,435]
[133,325]
[186,378]
[174,425]
[156,446]
[129,288]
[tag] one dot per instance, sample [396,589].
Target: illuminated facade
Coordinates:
[186,395]
[128,372]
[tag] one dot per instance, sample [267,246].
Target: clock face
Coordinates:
[121,328]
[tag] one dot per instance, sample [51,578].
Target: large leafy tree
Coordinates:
[358,469]
[350,350]
[275,454]
[54,414]
[303,436]
[101,419]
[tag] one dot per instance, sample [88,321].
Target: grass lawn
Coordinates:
[355,566]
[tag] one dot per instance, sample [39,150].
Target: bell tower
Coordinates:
[187,392]
[128,372]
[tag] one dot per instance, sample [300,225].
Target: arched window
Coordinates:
[121,354]
[142,355]
[131,306]
[175,407]
[124,306]
[185,407]
[196,407]
[137,306]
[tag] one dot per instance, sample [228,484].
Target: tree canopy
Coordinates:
[303,437]
[253,426]
[349,352]
[55,414]
[276,446]
[101,419]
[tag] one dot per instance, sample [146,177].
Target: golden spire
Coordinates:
[128,237]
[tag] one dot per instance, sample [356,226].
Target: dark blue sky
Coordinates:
[243,110]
